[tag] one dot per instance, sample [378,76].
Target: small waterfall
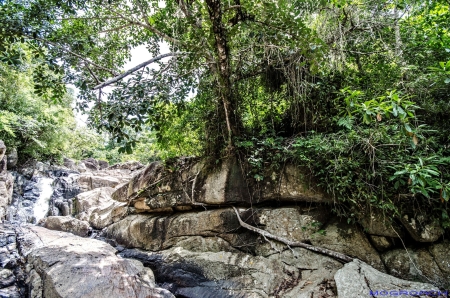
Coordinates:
[42,203]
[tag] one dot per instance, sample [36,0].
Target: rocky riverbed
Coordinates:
[90,230]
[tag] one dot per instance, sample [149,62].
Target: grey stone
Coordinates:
[421,229]
[381,243]
[64,265]
[375,223]
[416,264]
[98,208]
[357,279]
[348,239]
[67,224]
[193,183]
[161,231]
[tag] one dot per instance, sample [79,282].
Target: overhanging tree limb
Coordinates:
[333,254]
[70,52]
[130,71]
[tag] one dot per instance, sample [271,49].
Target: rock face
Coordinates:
[426,265]
[193,183]
[348,239]
[158,232]
[6,183]
[98,208]
[422,230]
[357,279]
[59,263]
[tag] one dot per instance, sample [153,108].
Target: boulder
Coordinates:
[67,224]
[161,231]
[130,165]
[102,178]
[421,229]
[64,265]
[98,208]
[300,223]
[381,243]
[375,223]
[190,182]
[348,239]
[357,279]
[441,255]
[69,163]
[417,264]
[291,185]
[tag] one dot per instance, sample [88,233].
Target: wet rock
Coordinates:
[67,224]
[98,208]
[348,239]
[12,277]
[357,279]
[421,229]
[59,263]
[416,264]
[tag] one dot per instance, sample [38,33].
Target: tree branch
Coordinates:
[130,71]
[72,53]
[336,255]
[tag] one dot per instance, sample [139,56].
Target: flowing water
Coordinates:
[42,203]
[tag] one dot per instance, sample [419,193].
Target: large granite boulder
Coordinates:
[161,231]
[357,279]
[421,228]
[67,224]
[419,264]
[98,208]
[376,223]
[192,182]
[64,265]
[348,239]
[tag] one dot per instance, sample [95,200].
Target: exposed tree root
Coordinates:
[336,255]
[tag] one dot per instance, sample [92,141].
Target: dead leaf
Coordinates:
[415,140]
[379,117]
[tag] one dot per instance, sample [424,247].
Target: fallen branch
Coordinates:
[130,71]
[341,257]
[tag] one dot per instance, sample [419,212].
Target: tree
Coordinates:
[215,42]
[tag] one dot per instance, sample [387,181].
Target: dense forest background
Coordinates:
[355,92]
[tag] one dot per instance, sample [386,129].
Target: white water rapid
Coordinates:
[42,204]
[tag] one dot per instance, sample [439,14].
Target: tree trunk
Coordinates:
[227,97]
